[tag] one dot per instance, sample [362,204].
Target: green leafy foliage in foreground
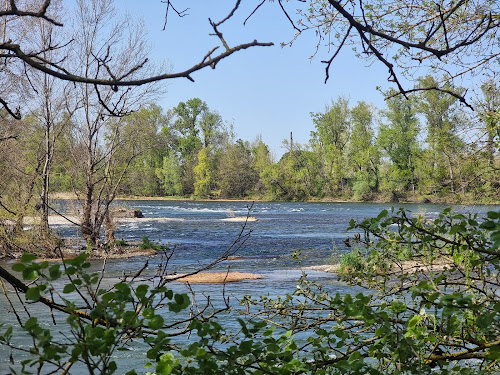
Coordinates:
[425,301]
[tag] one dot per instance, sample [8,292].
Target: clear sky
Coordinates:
[263,90]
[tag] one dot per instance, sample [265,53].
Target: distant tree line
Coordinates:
[426,147]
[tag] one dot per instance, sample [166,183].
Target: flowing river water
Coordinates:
[199,233]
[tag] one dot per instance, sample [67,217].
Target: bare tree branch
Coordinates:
[180,14]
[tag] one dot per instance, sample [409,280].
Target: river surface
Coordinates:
[198,234]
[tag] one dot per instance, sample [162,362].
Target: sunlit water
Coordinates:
[198,236]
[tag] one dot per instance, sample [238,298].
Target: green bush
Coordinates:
[353,260]
[147,244]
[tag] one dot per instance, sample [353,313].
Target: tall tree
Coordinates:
[443,123]
[333,129]
[262,160]
[195,127]
[398,138]
[236,173]
[489,112]
[101,137]
[148,146]
[170,175]
[53,109]
[204,174]
[363,158]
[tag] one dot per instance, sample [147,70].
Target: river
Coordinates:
[198,233]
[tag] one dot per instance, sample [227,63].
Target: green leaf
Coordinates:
[55,272]
[141,291]
[164,366]
[18,267]
[382,214]
[484,321]
[148,313]
[33,293]
[493,215]
[27,257]
[31,323]
[488,225]
[30,274]
[157,322]
[69,288]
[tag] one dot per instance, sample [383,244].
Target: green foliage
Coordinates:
[103,325]
[147,244]
[121,243]
[442,315]
[203,174]
[330,140]
[398,138]
[195,154]
[236,175]
[352,261]
[170,175]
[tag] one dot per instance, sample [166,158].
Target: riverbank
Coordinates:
[377,198]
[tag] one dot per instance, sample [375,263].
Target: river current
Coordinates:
[199,234]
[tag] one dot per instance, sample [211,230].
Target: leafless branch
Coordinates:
[253,11]
[16,114]
[288,16]
[460,97]
[179,13]
[210,62]
[42,13]
[329,62]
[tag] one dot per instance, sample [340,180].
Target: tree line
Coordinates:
[424,147]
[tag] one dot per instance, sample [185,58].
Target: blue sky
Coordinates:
[262,90]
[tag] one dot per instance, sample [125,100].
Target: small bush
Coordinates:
[121,243]
[147,244]
[352,261]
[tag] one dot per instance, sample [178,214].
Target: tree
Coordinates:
[443,120]
[333,130]
[194,127]
[236,174]
[106,142]
[489,108]
[203,172]
[362,154]
[262,160]
[148,147]
[20,167]
[398,138]
[53,112]
[295,176]
[170,175]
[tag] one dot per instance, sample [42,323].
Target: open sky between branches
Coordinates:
[267,90]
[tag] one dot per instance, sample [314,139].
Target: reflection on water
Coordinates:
[198,236]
